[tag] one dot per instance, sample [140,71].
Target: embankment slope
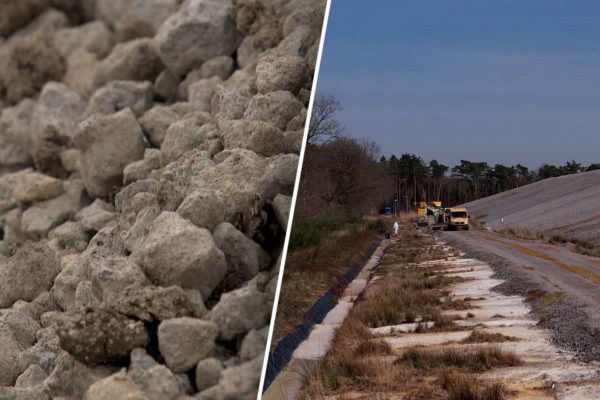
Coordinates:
[568,205]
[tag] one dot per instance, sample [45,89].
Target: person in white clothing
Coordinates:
[396,227]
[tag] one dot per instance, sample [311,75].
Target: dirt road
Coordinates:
[563,287]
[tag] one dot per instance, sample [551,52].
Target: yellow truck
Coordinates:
[456,218]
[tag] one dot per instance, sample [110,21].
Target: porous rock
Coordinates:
[176,252]
[135,60]
[118,95]
[107,145]
[185,341]
[245,258]
[186,39]
[239,311]
[95,336]
[28,273]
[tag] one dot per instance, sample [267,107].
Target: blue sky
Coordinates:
[502,81]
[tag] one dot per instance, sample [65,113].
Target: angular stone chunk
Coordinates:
[107,145]
[176,252]
[188,37]
[185,341]
[96,336]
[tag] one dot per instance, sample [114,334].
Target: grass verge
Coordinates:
[359,364]
[310,272]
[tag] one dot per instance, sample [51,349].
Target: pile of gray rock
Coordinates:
[148,152]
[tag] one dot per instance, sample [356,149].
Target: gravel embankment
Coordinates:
[148,152]
[567,205]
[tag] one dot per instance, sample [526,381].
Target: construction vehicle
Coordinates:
[456,218]
[433,215]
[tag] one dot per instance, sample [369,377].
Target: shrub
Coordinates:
[376,225]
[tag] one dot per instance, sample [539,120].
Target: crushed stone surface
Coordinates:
[148,153]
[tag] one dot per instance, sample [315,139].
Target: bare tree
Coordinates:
[323,126]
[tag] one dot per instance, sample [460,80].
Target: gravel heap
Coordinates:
[148,151]
[566,205]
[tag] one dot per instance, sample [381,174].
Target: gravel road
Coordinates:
[563,287]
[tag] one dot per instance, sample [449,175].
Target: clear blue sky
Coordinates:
[502,81]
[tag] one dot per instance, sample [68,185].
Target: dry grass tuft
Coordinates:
[479,336]
[466,387]
[471,359]
[370,347]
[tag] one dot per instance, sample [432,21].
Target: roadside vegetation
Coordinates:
[322,252]
[578,246]
[359,363]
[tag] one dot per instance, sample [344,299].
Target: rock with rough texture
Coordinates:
[118,95]
[157,120]
[205,208]
[37,220]
[277,108]
[59,108]
[187,38]
[200,93]
[156,380]
[70,236]
[81,67]
[280,73]
[28,273]
[107,145]
[35,186]
[230,104]
[11,358]
[134,171]
[31,377]
[93,36]
[258,136]
[176,252]
[185,135]
[154,303]
[135,60]
[237,382]
[66,282]
[96,216]
[281,206]
[245,258]
[239,311]
[208,372]
[30,63]
[96,336]
[117,386]
[135,18]
[16,14]
[112,275]
[185,341]
[254,344]
[16,138]
[70,378]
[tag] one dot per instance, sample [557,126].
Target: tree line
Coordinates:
[344,176]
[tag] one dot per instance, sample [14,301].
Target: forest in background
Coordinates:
[344,177]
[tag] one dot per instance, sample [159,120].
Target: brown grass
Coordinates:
[466,387]
[359,365]
[311,272]
[580,246]
[479,336]
[477,223]
[468,359]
